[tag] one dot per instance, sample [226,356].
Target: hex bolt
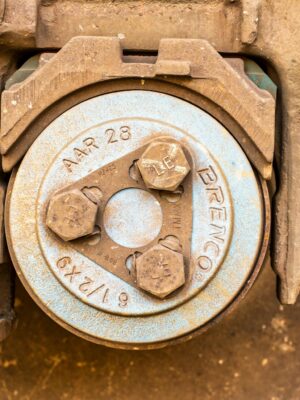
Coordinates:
[160,271]
[163,165]
[71,215]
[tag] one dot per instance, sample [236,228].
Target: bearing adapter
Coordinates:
[135,218]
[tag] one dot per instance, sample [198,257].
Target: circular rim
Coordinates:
[115,344]
[188,291]
[231,307]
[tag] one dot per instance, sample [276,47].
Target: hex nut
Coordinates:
[71,215]
[163,166]
[160,271]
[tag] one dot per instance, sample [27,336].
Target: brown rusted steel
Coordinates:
[249,108]
[261,261]
[227,23]
[71,215]
[163,166]
[251,31]
[252,28]
[160,271]
[43,24]
[100,186]
[18,23]
[244,27]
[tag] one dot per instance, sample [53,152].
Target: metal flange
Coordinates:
[227,204]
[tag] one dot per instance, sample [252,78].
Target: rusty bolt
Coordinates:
[160,271]
[163,166]
[71,215]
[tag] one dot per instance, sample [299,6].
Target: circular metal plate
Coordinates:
[227,218]
[212,222]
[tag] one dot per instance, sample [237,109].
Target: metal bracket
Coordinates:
[115,177]
[248,111]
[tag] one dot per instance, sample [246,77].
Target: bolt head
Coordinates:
[71,215]
[160,271]
[163,166]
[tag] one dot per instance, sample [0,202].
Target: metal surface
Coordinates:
[226,204]
[228,95]
[43,24]
[258,29]
[160,271]
[112,181]
[71,215]
[163,166]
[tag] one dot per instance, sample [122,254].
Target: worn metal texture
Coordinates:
[43,24]
[224,196]
[71,215]
[163,166]
[18,23]
[115,239]
[160,271]
[226,24]
[253,28]
[246,110]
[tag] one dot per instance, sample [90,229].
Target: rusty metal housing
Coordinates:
[113,292]
[199,65]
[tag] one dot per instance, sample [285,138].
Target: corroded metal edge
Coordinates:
[118,179]
[251,28]
[88,60]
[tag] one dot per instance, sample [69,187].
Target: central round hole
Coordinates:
[133,218]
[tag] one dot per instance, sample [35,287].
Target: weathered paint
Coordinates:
[208,142]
